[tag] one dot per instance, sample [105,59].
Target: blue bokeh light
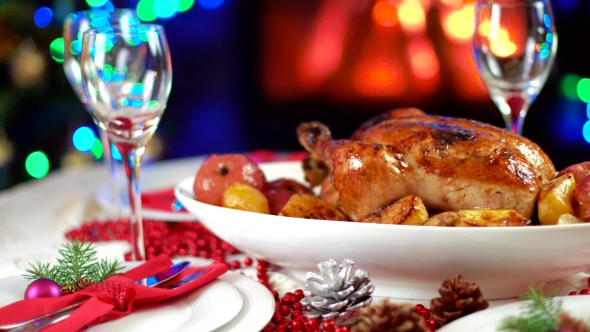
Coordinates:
[43,17]
[165,8]
[588,110]
[547,20]
[210,4]
[586,131]
[115,153]
[83,139]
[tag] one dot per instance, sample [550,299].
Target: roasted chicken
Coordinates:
[450,163]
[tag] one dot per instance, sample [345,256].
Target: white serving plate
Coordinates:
[490,320]
[403,261]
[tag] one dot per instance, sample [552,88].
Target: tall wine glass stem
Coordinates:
[111,163]
[514,106]
[131,160]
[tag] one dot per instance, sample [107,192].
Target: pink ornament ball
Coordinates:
[42,287]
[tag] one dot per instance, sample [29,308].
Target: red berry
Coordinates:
[248,261]
[424,313]
[268,328]
[297,306]
[299,293]
[419,307]
[328,325]
[585,291]
[297,324]
[275,294]
[432,323]
[285,310]
[574,293]
[314,323]
[235,265]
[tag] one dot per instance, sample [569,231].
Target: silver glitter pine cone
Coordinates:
[336,293]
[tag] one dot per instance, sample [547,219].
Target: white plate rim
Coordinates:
[230,304]
[491,318]
[258,307]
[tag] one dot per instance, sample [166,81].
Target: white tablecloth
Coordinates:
[34,216]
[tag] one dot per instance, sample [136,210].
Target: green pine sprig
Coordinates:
[78,260]
[541,315]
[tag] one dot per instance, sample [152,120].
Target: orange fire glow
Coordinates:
[458,24]
[412,16]
[380,78]
[423,60]
[385,14]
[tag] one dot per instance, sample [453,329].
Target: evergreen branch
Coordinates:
[105,269]
[77,258]
[542,314]
[40,270]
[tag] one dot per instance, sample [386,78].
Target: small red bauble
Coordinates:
[248,261]
[573,293]
[419,307]
[285,310]
[424,313]
[328,325]
[314,323]
[585,291]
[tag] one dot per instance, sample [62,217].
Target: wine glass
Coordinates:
[74,26]
[127,77]
[514,44]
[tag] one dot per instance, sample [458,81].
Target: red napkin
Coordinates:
[109,300]
[159,200]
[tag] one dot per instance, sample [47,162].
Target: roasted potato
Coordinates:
[444,219]
[555,199]
[568,219]
[409,210]
[485,218]
[309,206]
[244,197]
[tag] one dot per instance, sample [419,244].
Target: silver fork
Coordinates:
[66,312]
[189,278]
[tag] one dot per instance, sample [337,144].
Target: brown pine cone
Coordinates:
[567,322]
[82,283]
[390,317]
[458,299]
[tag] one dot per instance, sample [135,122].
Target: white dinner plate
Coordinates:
[206,309]
[489,320]
[258,307]
[154,176]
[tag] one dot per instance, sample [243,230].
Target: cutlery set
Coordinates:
[151,281]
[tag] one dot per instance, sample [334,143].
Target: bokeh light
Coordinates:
[83,139]
[56,49]
[96,3]
[184,5]
[210,4]
[115,153]
[459,23]
[385,14]
[97,149]
[37,164]
[586,131]
[165,8]
[145,10]
[43,17]
[569,86]
[412,16]
[583,90]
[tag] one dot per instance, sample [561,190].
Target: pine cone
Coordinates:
[458,299]
[567,322]
[82,283]
[390,317]
[337,294]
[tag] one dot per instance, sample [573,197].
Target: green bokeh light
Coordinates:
[37,164]
[96,3]
[96,149]
[56,49]
[569,85]
[145,10]
[184,5]
[584,90]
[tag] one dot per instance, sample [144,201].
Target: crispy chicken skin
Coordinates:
[451,164]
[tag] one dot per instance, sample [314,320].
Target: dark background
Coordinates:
[221,101]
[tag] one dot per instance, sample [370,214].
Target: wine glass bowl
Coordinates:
[514,43]
[127,77]
[73,28]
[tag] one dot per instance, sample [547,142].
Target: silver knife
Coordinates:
[50,318]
